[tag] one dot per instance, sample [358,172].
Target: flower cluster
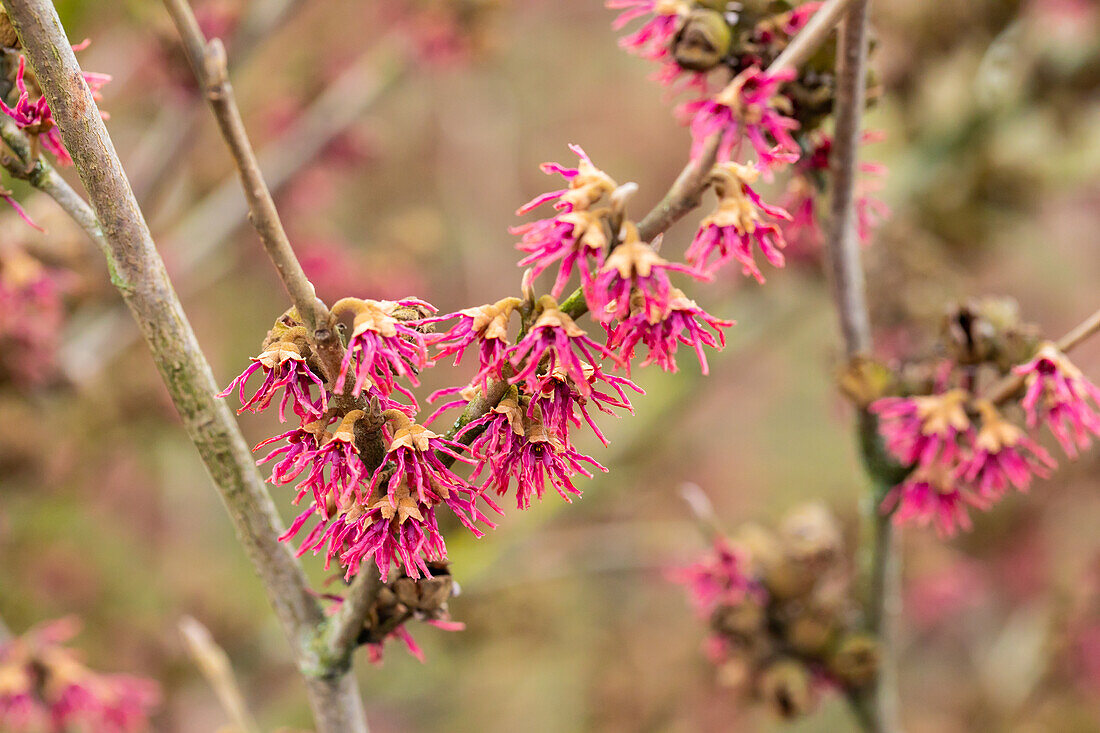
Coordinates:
[778,604]
[961,452]
[44,686]
[31,312]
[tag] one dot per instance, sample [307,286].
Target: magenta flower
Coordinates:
[487,326]
[554,340]
[44,686]
[293,455]
[335,470]
[576,234]
[382,347]
[721,578]
[284,368]
[748,108]
[924,430]
[684,324]
[1002,456]
[634,277]
[560,401]
[736,224]
[799,17]
[1062,398]
[516,447]
[930,495]
[652,40]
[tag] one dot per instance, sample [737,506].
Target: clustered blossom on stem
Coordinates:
[1003,457]
[924,430]
[44,686]
[737,224]
[35,117]
[560,400]
[633,267]
[284,368]
[575,235]
[651,41]
[1062,398]
[749,108]
[383,344]
[487,326]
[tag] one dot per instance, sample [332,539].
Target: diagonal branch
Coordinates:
[138,272]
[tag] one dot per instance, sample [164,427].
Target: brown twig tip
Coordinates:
[214,665]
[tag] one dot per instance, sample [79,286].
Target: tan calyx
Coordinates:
[1049,350]
[671,7]
[939,477]
[345,431]
[318,430]
[491,321]
[677,301]
[588,227]
[588,186]
[734,208]
[406,505]
[406,433]
[510,408]
[14,678]
[536,432]
[996,433]
[559,374]
[370,315]
[633,257]
[278,352]
[550,316]
[939,413]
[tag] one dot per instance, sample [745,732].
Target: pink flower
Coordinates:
[300,444]
[487,326]
[335,470]
[1061,397]
[683,324]
[284,368]
[749,107]
[1002,456]
[924,430]
[736,224]
[652,40]
[633,276]
[555,338]
[383,347]
[516,447]
[721,578]
[931,496]
[44,686]
[561,400]
[576,234]
[800,16]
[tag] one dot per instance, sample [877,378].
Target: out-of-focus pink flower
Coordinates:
[720,578]
[683,324]
[1062,398]
[930,495]
[924,430]
[737,224]
[799,17]
[44,686]
[555,337]
[1003,456]
[381,347]
[284,368]
[751,108]
[634,276]
[652,40]
[32,310]
[487,326]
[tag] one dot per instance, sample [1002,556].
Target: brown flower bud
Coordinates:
[787,688]
[703,41]
[8,37]
[855,662]
[811,628]
[745,619]
[811,534]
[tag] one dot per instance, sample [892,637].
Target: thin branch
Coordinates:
[341,637]
[213,220]
[209,64]
[214,664]
[812,36]
[140,276]
[1012,383]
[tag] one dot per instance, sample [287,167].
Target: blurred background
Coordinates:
[401,137]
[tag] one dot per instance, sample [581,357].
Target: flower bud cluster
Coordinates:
[781,612]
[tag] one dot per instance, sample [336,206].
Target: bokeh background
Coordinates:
[402,136]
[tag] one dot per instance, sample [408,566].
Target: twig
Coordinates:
[341,636]
[810,38]
[139,274]
[211,222]
[214,664]
[1012,383]
[208,62]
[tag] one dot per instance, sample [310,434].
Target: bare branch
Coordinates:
[214,664]
[209,64]
[139,274]
[341,637]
